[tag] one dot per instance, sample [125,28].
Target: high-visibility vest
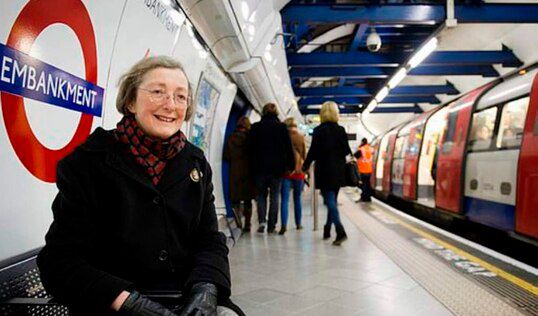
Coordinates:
[365,161]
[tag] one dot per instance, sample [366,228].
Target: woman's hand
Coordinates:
[202,300]
[138,305]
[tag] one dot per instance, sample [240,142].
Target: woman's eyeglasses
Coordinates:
[160,97]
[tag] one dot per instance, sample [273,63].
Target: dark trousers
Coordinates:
[246,210]
[297,187]
[330,200]
[366,194]
[268,185]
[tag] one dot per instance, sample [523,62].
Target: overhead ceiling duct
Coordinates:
[215,21]
[256,82]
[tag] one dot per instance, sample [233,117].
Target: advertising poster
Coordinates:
[206,102]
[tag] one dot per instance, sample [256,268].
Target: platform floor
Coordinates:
[301,274]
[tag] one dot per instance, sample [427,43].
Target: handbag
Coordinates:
[352,174]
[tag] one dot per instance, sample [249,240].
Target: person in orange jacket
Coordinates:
[364,161]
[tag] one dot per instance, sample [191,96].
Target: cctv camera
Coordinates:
[373,41]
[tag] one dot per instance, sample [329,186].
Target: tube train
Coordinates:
[475,158]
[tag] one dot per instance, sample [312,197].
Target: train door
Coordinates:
[493,153]
[387,166]
[448,185]
[381,154]
[375,146]
[527,180]
[430,147]
[398,160]
[414,142]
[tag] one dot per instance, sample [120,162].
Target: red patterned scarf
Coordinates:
[152,154]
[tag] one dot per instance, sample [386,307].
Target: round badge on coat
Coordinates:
[195,175]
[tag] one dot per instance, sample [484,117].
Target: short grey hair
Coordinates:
[131,80]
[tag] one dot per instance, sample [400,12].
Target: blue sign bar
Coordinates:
[29,77]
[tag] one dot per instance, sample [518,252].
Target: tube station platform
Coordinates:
[391,264]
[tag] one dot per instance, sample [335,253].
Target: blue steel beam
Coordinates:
[357,38]
[356,109]
[384,72]
[410,14]
[399,109]
[484,71]
[505,57]
[424,90]
[305,102]
[341,91]
[350,72]
[362,92]
[345,110]
[390,14]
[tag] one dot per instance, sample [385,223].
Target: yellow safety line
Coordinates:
[505,275]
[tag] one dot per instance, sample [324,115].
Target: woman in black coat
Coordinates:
[241,181]
[135,211]
[329,149]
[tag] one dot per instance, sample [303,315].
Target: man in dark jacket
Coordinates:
[271,155]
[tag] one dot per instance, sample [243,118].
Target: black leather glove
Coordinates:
[139,305]
[202,300]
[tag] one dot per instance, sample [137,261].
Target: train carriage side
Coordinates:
[398,160]
[381,155]
[448,184]
[527,179]
[375,146]
[412,154]
[493,149]
[387,165]
[429,152]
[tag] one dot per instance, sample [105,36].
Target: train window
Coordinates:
[512,123]
[450,132]
[482,129]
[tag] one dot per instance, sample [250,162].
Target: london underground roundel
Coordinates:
[32,20]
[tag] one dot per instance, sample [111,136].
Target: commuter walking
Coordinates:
[329,149]
[271,155]
[241,183]
[364,162]
[294,179]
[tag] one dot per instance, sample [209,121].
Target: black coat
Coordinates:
[270,149]
[113,230]
[329,149]
[236,153]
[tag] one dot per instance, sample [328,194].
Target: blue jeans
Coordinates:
[287,185]
[333,216]
[267,185]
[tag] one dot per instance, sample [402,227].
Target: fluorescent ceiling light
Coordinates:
[424,52]
[397,78]
[382,94]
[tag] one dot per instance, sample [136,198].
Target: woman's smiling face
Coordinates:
[161,102]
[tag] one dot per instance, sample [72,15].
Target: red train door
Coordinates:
[374,163]
[448,187]
[527,177]
[410,172]
[388,161]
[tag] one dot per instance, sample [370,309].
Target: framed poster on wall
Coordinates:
[206,100]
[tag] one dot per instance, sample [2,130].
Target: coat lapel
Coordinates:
[128,167]
[178,169]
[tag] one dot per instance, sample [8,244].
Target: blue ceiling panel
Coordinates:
[363,92]
[305,102]
[505,57]
[409,14]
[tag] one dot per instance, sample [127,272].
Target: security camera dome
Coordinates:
[373,41]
